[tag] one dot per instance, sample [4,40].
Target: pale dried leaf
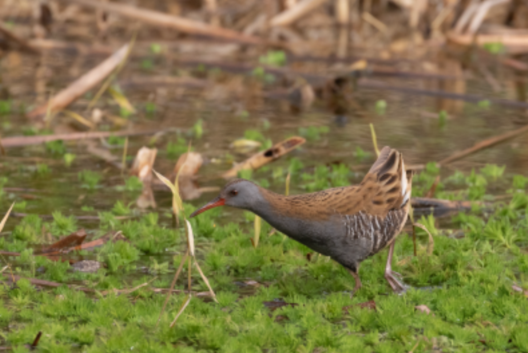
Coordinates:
[190,237]
[424,309]
[4,220]
[188,164]
[77,117]
[165,181]
[430,245]
[121,100]
[144,164]
[257,227]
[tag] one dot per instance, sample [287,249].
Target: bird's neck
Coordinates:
[263,204]
[269,206]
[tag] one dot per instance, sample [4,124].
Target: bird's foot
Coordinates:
[396,285]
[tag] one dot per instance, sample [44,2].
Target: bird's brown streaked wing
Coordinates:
[386,186]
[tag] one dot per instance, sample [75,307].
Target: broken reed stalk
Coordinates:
[190,254]
[295,12]
[113,74]
[20,41]
[374,139]
[79,118]
[81,85]
[169,21]
[173,283]
[2,224]
[264,157]
[20,141]
[6,216]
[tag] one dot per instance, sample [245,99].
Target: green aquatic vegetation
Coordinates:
[147,64]
[3,181]
[56,147]
[260,73]
[116,140]
[148,236]
[120,209]
[313,133]
[477,185]
[175,149]
[30,131]
[492,171]
[381,107]
[62,225]
[442,119]
[42,170]
[296,165]
[89,179]
[108,221]
[28,229]
[465,280]
[158,268]
[150,108]
[485,104]
[155,48]
[124,112]
[361,154]
[119,255]
[133,184]
[519,182]
[245,174]
[494,48]
[20,206]
[255,135]
[197,129]
[273,58]
[5,107]
[68,159]
[432,168]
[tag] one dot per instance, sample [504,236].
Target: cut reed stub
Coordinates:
[264,157]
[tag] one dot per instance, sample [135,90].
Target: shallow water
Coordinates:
[410,124]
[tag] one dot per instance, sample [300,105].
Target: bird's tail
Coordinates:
[394,181]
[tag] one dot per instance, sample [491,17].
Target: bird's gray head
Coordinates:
[239,193]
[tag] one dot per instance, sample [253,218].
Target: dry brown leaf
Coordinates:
[144,164]
[189,163]
[424,309]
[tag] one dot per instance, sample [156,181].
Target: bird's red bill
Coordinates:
[215,203]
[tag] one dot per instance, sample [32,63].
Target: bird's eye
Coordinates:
[233,192]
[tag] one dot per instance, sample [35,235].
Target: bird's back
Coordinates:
[359,220]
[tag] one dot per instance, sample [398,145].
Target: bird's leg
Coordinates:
[396,285]
[356,278]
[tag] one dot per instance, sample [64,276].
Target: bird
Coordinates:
[348,224]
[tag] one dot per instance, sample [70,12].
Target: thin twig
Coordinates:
[206,281]
[176,275]
[483,145]
[181,310]
[163,20]
[19,141]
